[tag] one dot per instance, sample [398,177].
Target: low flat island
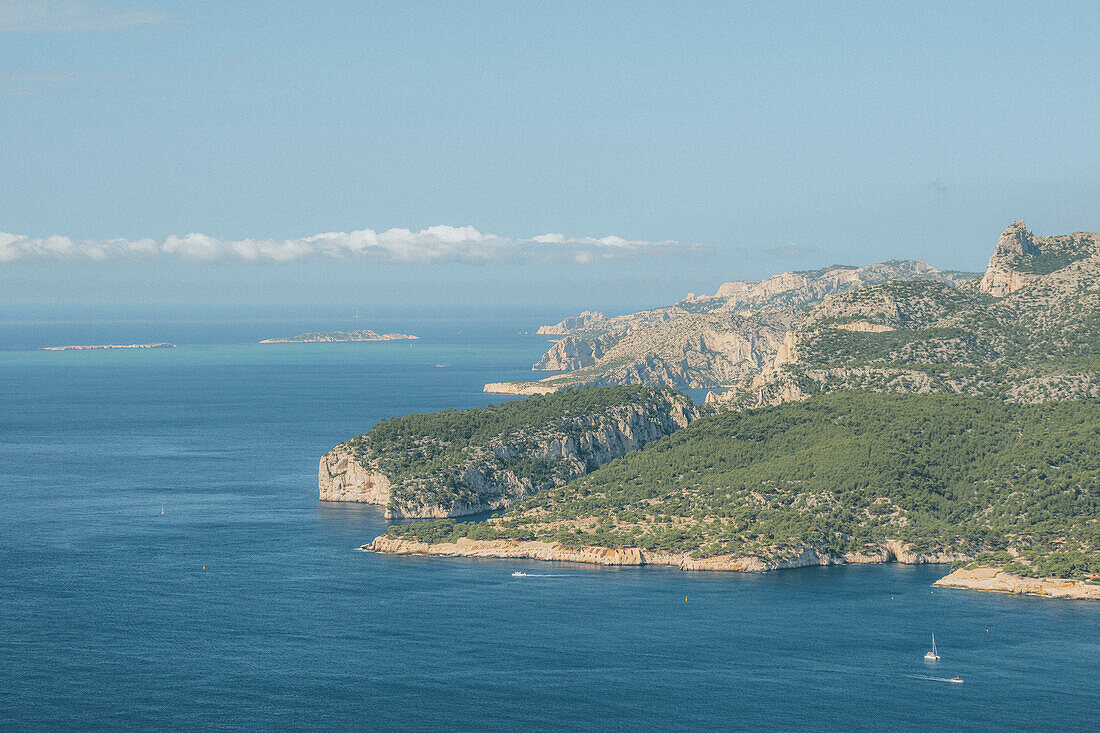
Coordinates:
[161,345]
[331,337]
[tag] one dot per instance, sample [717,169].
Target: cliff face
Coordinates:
[506,467]
[341,477]
[705,341]
[1001,278]
[570,353]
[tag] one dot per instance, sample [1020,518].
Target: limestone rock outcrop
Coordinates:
[995,579]
[1001,277]
[585,319]
[570,353]
[525,389]
[340,477]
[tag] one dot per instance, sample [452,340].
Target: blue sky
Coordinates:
[712,141]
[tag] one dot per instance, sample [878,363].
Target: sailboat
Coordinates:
[931,656]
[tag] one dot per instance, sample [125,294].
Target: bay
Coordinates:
[246,605]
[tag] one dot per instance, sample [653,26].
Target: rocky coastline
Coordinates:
[523,389]
[994,579]
[891,551]
[984,579]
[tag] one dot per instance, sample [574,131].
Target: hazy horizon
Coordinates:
[567,154]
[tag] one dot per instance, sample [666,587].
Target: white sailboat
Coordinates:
[931,656]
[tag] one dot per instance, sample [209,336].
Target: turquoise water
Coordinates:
[245,605]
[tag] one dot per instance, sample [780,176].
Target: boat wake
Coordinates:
[933,679]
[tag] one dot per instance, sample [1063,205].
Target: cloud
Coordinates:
[434,244]
[73,16]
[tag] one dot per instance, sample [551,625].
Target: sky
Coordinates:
[349,153]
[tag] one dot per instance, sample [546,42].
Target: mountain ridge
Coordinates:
[705,341]
[1028,330]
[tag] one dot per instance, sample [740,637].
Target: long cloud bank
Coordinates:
[434,244]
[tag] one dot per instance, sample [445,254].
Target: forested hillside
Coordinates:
[458,462]
[841,473]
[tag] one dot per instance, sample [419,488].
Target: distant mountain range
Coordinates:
[710,341]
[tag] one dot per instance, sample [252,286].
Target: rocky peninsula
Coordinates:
[336,337]
[461,462]
[894,413]
[995,579]
[840,478]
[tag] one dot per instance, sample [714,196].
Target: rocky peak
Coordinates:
[1016,239]
[1002,277]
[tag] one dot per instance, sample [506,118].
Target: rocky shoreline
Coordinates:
[996,580]
[524,389]
[891,551]
[985,579]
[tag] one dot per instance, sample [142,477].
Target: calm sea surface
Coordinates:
[245,604]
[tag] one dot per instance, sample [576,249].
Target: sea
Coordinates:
[165,565]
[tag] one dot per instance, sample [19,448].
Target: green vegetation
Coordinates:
[841,472]
[480,456]
[959,423]
[1057,252]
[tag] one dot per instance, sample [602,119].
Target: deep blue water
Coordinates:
[246,605]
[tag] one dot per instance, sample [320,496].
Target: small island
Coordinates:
[333,337]
[161,345]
